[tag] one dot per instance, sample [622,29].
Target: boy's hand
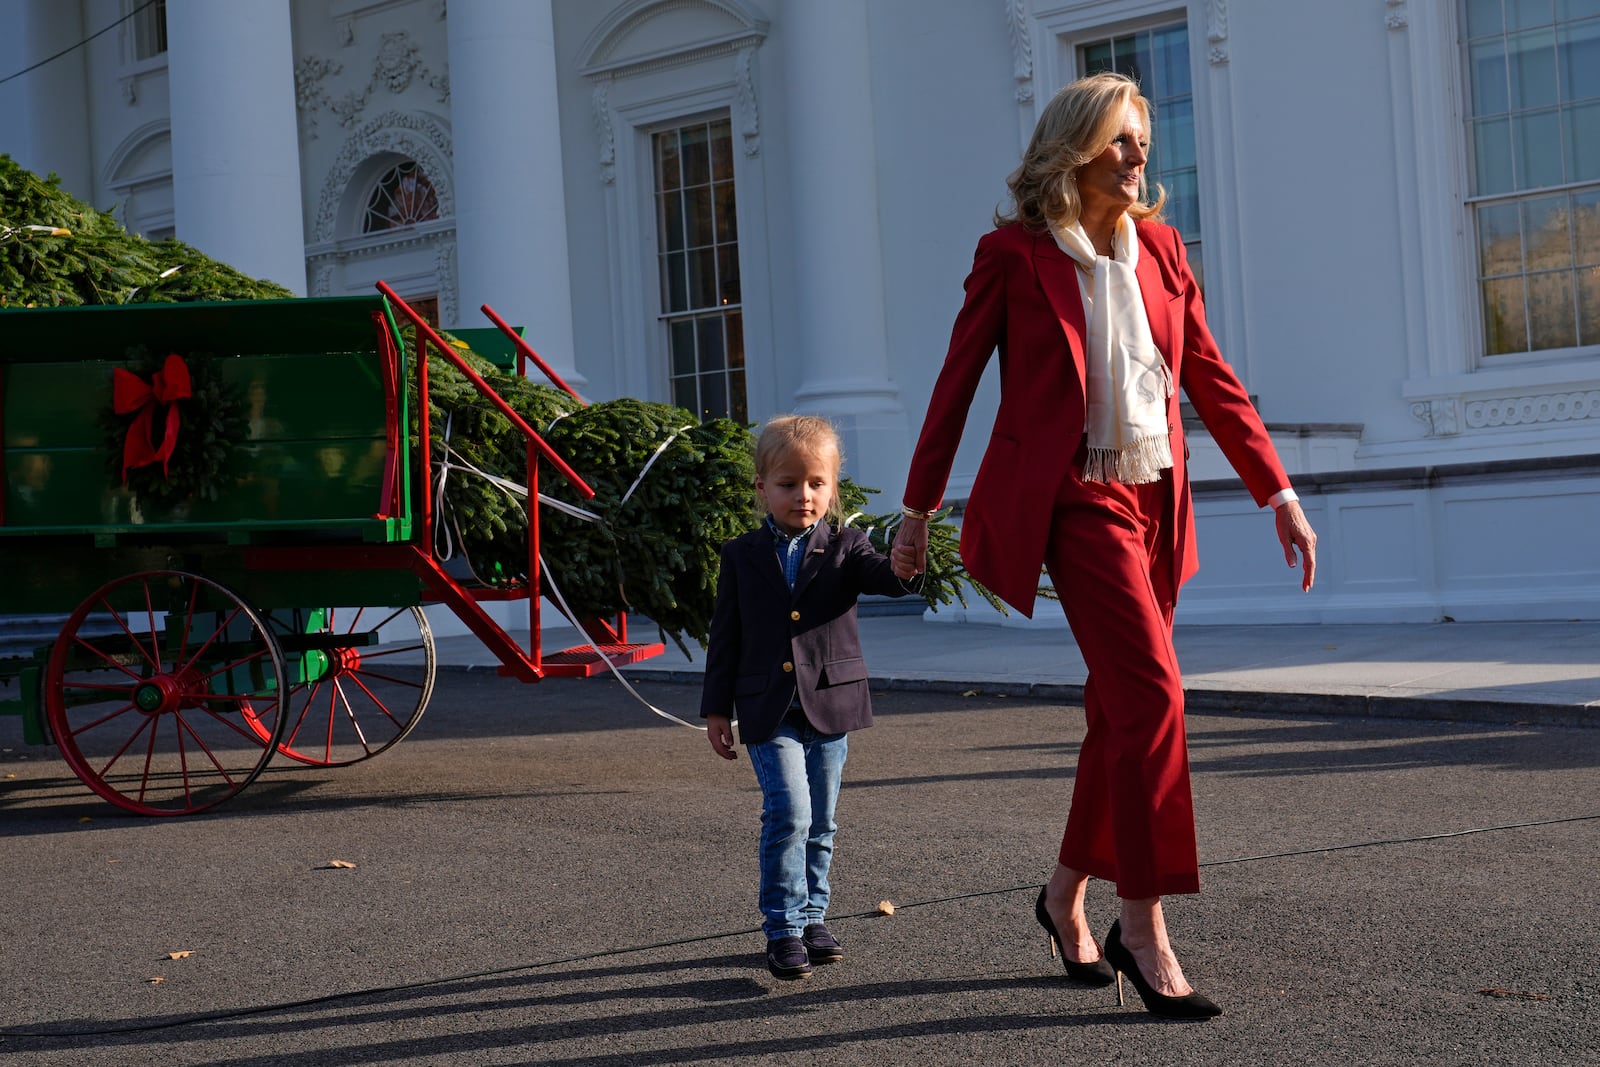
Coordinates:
[719,731]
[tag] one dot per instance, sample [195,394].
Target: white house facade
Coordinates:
[750,207]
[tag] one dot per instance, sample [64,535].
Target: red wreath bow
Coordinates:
[132,393]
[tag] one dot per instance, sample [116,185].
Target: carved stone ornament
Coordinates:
[1021,48]
[395,65]
[1397,18]
[1441,417]
[444,264]
[607,137]
[749,109]
[411,134]
[1217,31]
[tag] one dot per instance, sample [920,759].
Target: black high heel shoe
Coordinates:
[1098,973]
[1190,1006]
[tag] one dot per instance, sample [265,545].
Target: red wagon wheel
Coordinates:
[162,692]
[360,680]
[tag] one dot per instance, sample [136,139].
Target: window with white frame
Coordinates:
[1157,57]
[698,264]
[149,29]
[1533,69]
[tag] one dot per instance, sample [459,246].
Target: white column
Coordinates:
[45,126]
[511,208]
[235,150]
[837,243]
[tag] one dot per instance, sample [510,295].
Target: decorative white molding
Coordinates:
[1442,418]
[602,53]
[322,279]
[396,63]
[309,93]
[1533,409]
[444,261]
[750,124]
[415,135]
[1021,35]
[604,132]
[1217,31]
[1397,17]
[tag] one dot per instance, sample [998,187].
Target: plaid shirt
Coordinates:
[791,549]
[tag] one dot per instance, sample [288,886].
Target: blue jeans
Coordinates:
[798,769]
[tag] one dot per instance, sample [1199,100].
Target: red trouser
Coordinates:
[1132,815]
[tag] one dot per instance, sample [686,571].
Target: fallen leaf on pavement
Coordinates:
[341,865]
[885,907]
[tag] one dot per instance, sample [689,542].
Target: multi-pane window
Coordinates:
[1534,72]
[1158,59]
[698,252]
[149,28]
[403,196]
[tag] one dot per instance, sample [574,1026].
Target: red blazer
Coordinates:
[1022,299]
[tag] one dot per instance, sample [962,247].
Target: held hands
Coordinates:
[719,731]
[1295,532]
[909,557]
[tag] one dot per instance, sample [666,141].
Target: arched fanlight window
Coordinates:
[402,197]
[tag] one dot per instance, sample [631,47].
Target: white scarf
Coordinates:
[1128,381]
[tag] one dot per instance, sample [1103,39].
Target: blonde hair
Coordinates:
[804,435]
[1078,123]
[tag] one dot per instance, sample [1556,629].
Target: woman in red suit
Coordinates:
[1097,317]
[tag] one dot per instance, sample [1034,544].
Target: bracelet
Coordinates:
[913,513]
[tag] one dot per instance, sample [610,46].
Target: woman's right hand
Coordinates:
[909,557]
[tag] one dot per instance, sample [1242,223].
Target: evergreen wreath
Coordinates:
[212,423]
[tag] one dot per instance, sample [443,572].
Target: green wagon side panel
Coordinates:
[308,372]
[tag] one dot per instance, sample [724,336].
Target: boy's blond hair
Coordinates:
[806,435]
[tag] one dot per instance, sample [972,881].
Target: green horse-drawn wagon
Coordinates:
[262,597]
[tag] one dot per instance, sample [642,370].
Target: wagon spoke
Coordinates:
[350,713]
[143,724]
[376,702]
[103,719]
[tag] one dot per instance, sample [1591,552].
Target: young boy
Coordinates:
[785,658]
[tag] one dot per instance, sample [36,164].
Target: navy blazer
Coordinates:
[767,641]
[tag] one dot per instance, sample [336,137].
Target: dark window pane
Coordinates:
[734,324]
[1582,142]
[667,176]
[685,395]
[1171,46]
[728,273]
[1550,310]
[1483,17]
[1579,60]
[1538,144]
[1532,61]
[1183,203]
[1097,58]
[1499,240]
[697,209]
[1547,224]
[1490,96]
[1522,14]
[736,392]
[1177,135]
[675,282]
[727,212]
[1586,226]
[696,156]
[1491,142]
[703,278]
[713,396]
[671,212]
[1505,322]
[722,151]
[711,347]
[682,341]
[1589,306]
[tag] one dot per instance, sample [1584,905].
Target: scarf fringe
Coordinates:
[1133,464]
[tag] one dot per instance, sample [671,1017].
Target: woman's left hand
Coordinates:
[1295,532]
